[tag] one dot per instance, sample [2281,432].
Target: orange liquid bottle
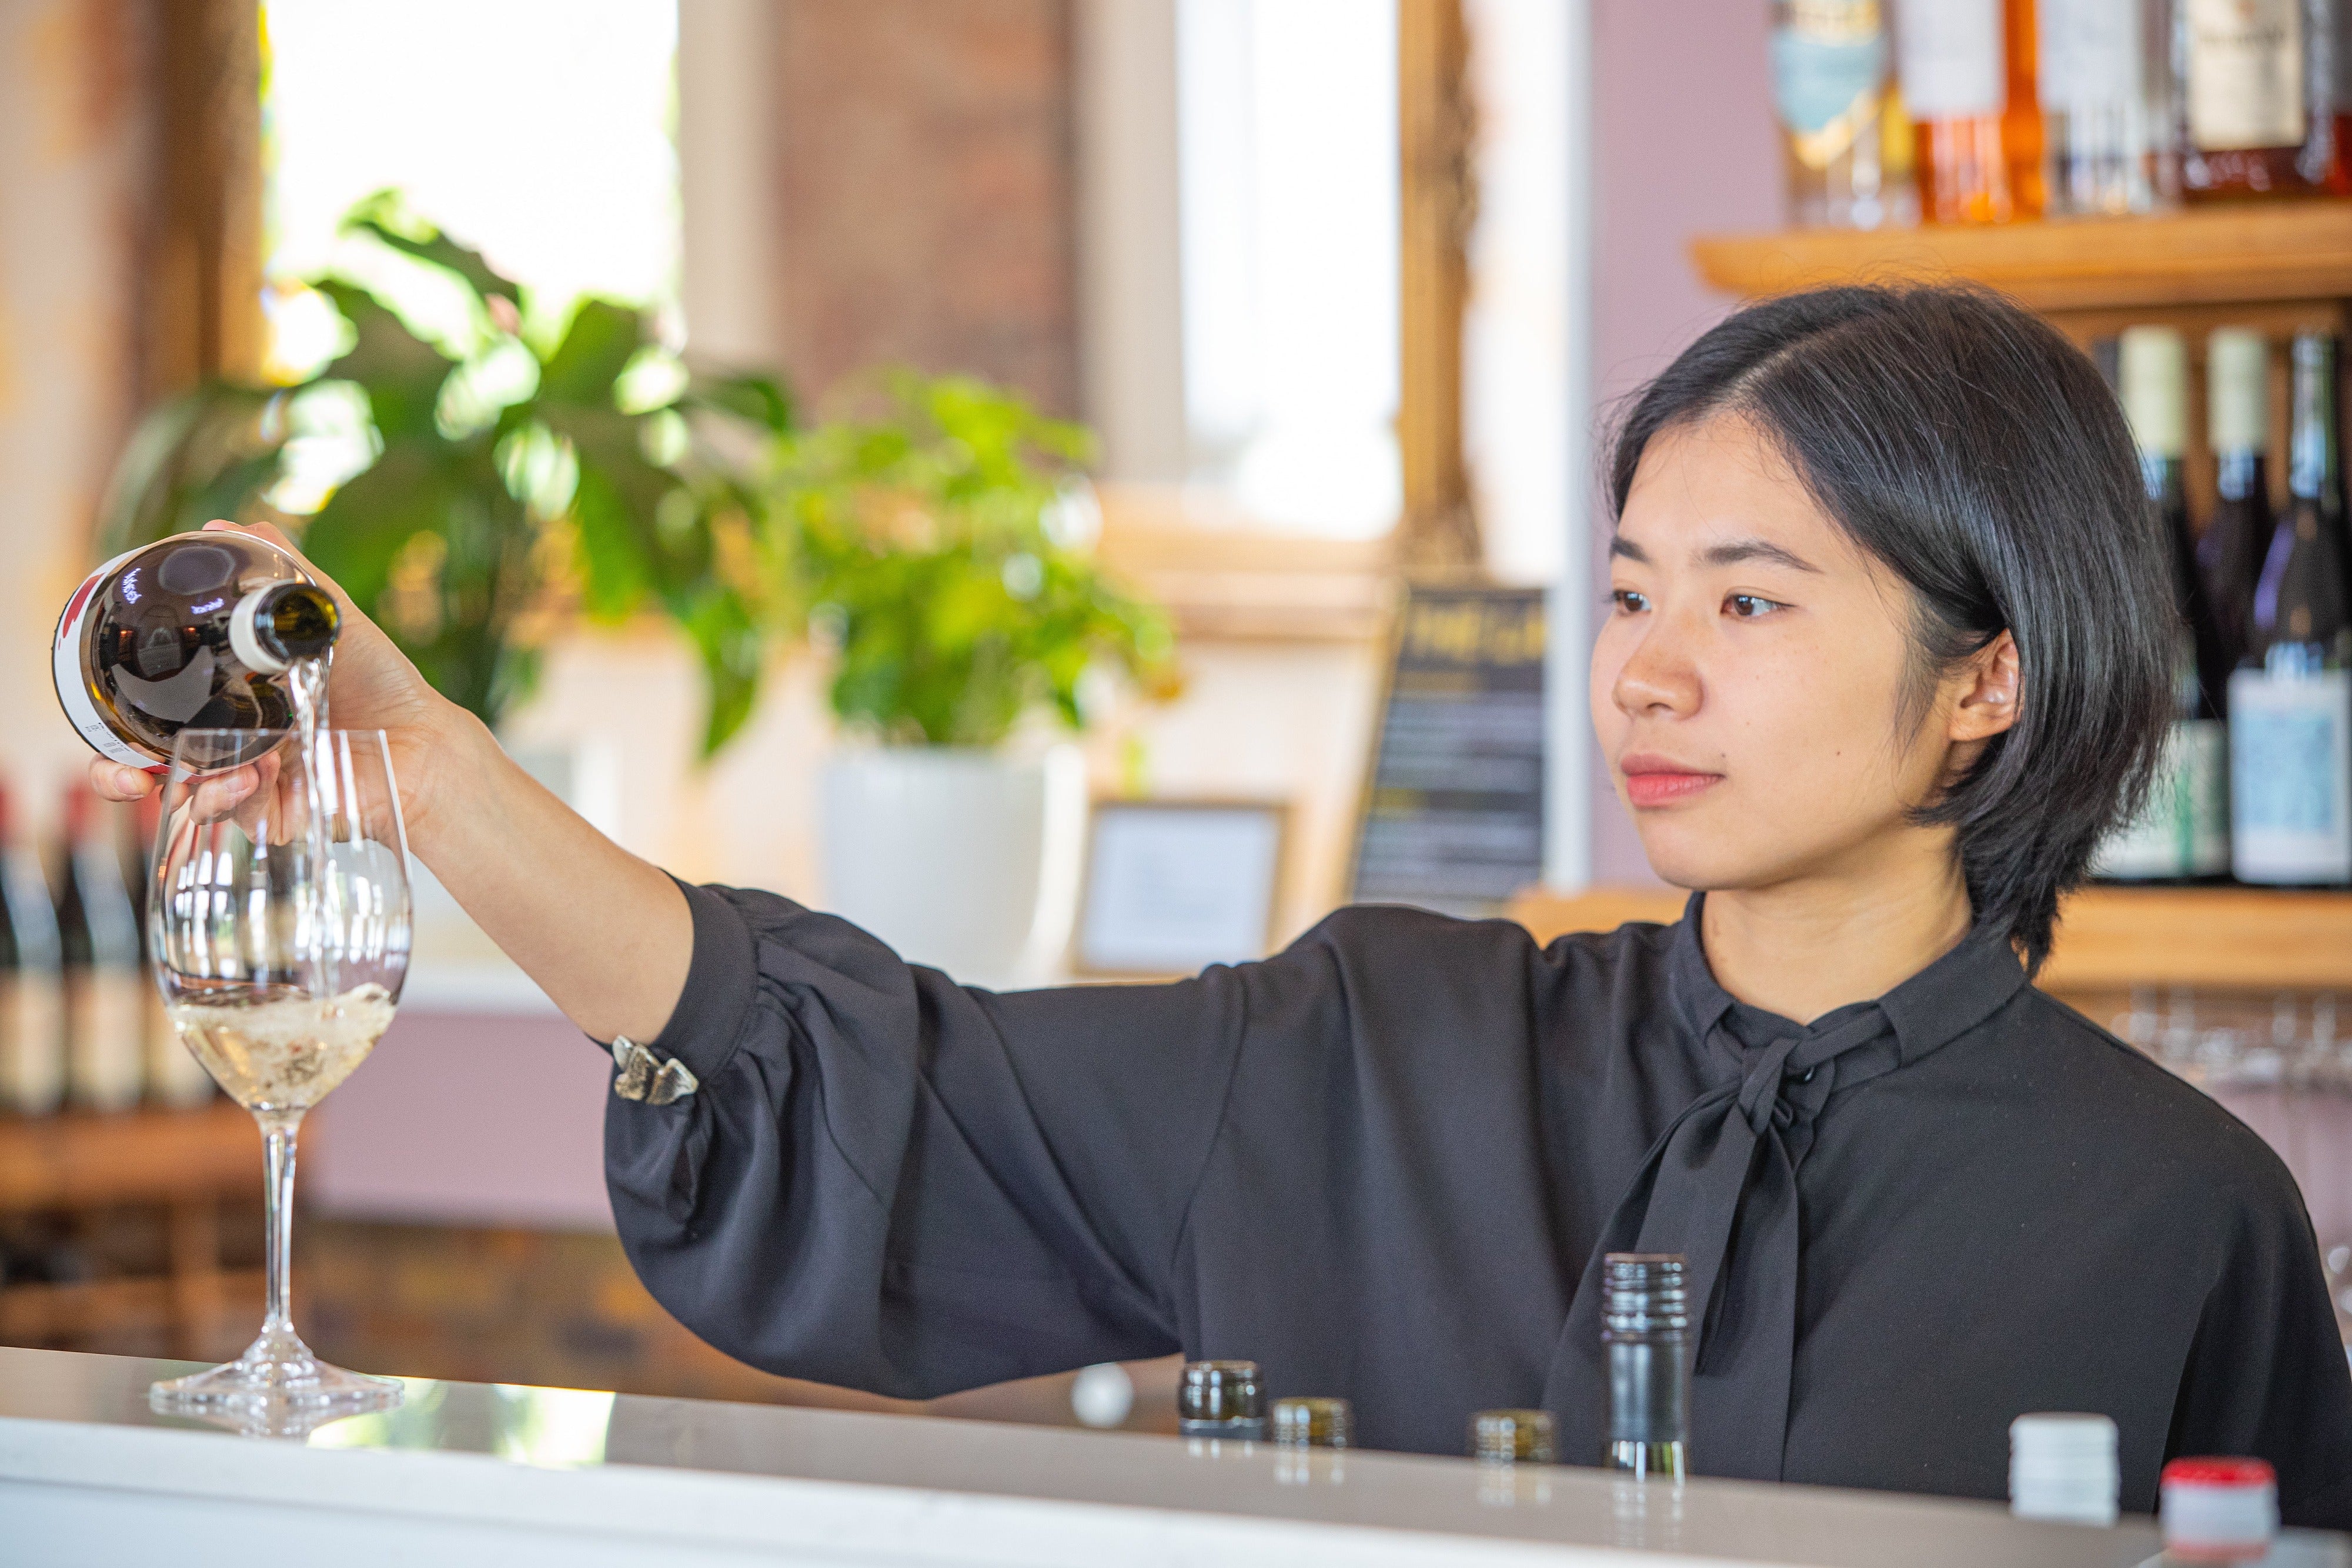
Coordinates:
[1968,71]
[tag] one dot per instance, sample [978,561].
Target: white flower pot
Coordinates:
[962,859]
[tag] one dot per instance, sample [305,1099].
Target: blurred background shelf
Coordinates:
[138,1156]
[2109,938]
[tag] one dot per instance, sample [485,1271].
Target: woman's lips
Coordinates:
[1655,782]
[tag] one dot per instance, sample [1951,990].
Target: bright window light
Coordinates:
[1287,128]
[539,131]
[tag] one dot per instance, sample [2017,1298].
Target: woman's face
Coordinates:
[1748,683]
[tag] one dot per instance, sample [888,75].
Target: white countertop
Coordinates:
[468,1472]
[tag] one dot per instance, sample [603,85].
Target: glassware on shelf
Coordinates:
[280,921]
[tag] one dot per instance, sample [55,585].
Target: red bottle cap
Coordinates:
[2218,1510]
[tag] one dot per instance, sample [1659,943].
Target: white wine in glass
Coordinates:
[280,923]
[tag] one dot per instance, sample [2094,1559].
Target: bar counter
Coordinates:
[466,1473]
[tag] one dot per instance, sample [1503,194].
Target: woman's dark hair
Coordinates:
[1966,444]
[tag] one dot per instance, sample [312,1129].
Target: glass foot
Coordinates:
[275,1388]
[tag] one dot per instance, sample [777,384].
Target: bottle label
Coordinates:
[66,667]
[2291,777]
[109,1019]
[2245,74]
[1829,60]
[32,1041]
[2090,53]
[1950,58]
[2183,830]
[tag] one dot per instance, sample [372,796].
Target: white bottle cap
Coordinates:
[2152,364]
[2063,1467]
[2238,390]
[2220,1509]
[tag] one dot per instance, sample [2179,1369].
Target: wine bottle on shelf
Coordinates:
[2182,831]
[2102,73]
[2237,428]
[2257,115]
[175,1079]
[2290,699]
[31,983]
[197,630]
[106,1007]
[1968,76]
[1829,85]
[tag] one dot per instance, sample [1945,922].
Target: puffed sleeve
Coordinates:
[891,1182]
[2266,1374]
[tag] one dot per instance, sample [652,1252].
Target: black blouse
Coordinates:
[1383,1164]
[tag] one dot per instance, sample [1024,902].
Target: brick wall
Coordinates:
[925,179]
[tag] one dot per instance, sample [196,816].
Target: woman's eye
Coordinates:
[1750,607]
[1630,602]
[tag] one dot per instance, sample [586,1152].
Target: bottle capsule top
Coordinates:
[2152,366]
[1643,1298]
[1219,1391]
[2218,1510]
[1508,1436]
[2238,389]
[2063,1467]
[1313,1423]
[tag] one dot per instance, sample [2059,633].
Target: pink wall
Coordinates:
[1684,145]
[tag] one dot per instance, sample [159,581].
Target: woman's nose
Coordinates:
[1659,679]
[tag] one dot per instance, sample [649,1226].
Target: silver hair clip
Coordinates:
[645,1077]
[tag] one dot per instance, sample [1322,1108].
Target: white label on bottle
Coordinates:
[2245,74]
[64,669]
[1950,58]
[109,1008]
[32,1041]
[2291,777]
[2090,52]
[2184,828]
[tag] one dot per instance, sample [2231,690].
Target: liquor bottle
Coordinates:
[1644,1322]
[2101,73]
[197,630]
[32,984]
[1968,72]
[175,1079]
[2063,1468]
[2237,428]
[2291,699]
[1829,85]
[2257,115]
[1220,1399]
[2183,831]
[106,1005]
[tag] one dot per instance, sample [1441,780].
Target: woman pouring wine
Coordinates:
[1887,652]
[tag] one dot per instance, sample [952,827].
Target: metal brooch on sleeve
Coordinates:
[645,1077]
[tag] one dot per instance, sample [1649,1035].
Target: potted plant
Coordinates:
[936,542]
[466,477]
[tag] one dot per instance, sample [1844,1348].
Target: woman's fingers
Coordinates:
[210,800]
[115,782]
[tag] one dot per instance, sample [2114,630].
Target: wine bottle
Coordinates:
[1645,1323]
[1968,74]
[1829,85]
[175,1079]
[2237,428]
[2257,116]
[195,630]
[106,1011]
[32,986]
[2291,700]
[2101,75]
[2183,829]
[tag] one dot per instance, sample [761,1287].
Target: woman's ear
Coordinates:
[1988,693]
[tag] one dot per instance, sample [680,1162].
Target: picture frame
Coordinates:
[1173,884]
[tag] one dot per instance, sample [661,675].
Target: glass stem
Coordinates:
[278,1215]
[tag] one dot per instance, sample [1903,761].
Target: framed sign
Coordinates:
[1453,814]
[1172,886]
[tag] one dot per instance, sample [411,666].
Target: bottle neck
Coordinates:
[2238,475]
[2314,464]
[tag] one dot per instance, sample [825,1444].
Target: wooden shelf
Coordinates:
[2109,938]
[80,1160]
[2214,256]
[44,1315]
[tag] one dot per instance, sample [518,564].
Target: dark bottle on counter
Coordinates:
[1645,1324]
[2182,831]
[106,1007]
[1220,1399]
[2291,699]
[32,981]
[2237,428]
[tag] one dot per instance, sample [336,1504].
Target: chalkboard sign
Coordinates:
[1452,817]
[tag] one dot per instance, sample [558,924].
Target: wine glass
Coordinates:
[280,921]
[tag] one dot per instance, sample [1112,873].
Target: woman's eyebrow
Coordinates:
[1737,553]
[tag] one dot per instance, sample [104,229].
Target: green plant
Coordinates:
[462,477]
[934,544]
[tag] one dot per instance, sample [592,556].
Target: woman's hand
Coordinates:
[373,686]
